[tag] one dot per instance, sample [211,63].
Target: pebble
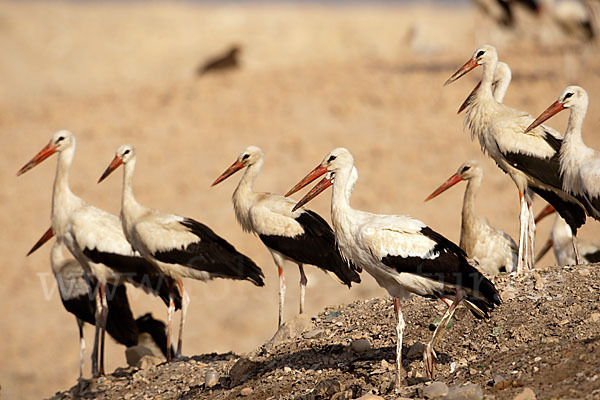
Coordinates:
[287,370]
[470,391]
[314,334]
[526,394]
[134,355]
[415,351]
[361,345]
[594,317]
[246,391]
[435,390]
[148,362]
[211,378]
[370,397]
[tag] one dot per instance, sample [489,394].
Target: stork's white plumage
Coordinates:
[579,164]
[180,247]
[96,240]
[560,241]
[301,236]
[494,250]
[502,78]
[531,160]
[401,253]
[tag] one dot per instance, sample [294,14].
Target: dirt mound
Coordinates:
[545,336]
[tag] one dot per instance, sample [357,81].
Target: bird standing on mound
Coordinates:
[300,236]
[403,254]
[180,247]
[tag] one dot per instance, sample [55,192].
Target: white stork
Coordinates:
[531,160]
[494,250]
[180,247]
[302,236]
[96,240]
[574,18]
[560,241]
[579,164]
[403,254]
[502,12]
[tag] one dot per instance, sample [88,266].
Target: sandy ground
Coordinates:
[313,78]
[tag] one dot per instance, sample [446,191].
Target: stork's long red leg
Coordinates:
[303,282]
[185,301]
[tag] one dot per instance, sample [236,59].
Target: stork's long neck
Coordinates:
[481,112]
[131,210]
[469,217]
[341,211]
[573,150]
[63,200]
[243,196]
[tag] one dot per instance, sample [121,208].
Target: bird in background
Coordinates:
[493,249]
[560,242]
[179,247]
[403,254]
[95,238]
[300,236]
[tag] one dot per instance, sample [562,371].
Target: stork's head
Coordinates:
[571,97]
[60,141]
[334,161]
[468,170]
[249,156]
[124,154]
[486,54]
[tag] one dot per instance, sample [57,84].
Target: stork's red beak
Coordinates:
[312,175]
[453,180]
[554,109]
[469,65]
[314,192]
[39,157]
[235,167]
[469,99]
[45,237]
[114,164]
[544,213]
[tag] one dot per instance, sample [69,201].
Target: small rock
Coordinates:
[435,390]
[594,317]
[314,334]
[327,388]
[287,370]
[149,361]
[246,391]
[211,378]
[361,345]
[415,351]
[241,371]
[370,397]
[290,329]
[134,354]
[345,395]
[526,394]
[470,391]
[537,359]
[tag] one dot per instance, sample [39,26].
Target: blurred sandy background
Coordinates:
[366,77]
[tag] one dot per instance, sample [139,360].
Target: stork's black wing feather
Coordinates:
[139,272]
[450,267]
[213,254]
[316,246]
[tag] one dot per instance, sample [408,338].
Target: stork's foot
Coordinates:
[429,357]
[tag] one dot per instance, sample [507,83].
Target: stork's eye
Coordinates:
[465,169]
[60,139]
[126,152]
[568,95]
[330,159]
[480,53]
[245,157]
